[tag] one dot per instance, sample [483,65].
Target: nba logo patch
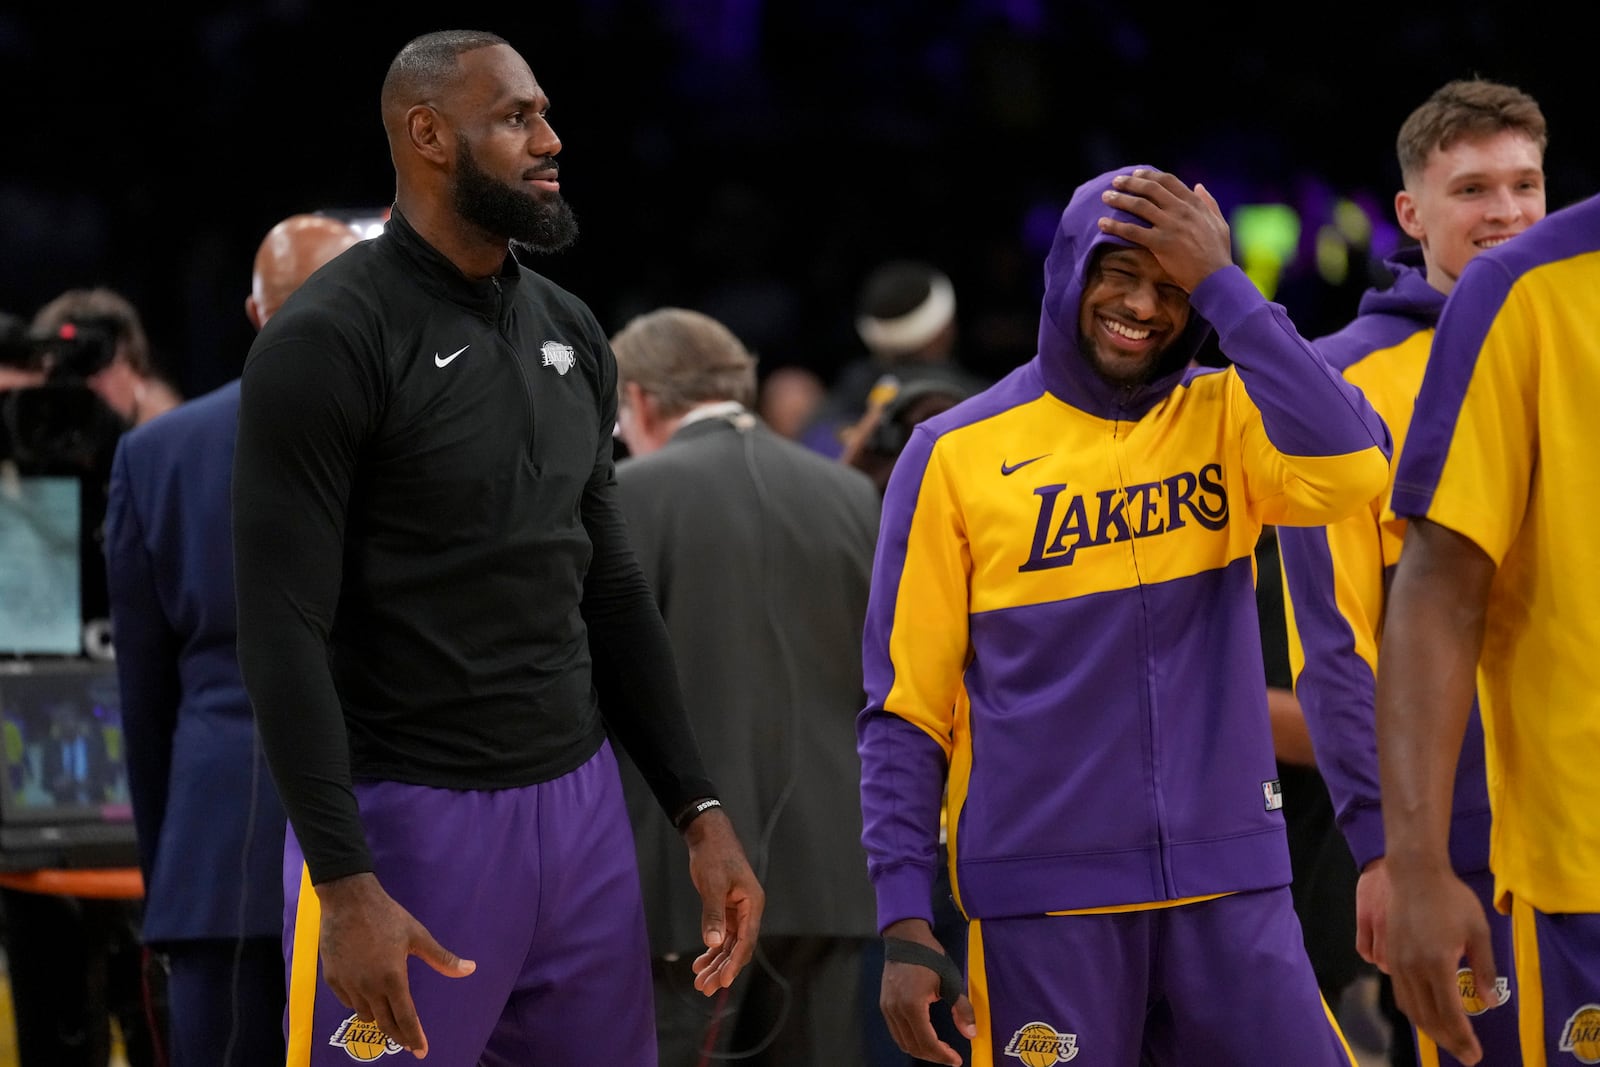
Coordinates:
[1581,1034]
[1471,1002]
[557,355]
[363,1041]
[1039,1044]
[1272,793]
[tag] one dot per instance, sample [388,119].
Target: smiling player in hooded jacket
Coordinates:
[1062,649]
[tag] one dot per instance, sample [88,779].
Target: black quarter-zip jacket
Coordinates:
[435,584]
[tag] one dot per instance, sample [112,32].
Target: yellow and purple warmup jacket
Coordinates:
[1501,450]
[1336,577]
[1061,642]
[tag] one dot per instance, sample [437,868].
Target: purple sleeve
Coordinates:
[902,788]
[1336,689]
[1307,408]
[903,769]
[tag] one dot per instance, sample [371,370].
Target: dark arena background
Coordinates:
[749,159]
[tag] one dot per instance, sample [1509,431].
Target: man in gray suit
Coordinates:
[759,552]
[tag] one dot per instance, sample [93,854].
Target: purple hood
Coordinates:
[1066,369]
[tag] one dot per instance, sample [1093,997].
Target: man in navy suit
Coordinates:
[209,822]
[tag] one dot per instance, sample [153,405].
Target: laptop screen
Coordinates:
[65,800]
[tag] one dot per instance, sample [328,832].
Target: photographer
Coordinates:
[69,386]
[120,372]
[71,383]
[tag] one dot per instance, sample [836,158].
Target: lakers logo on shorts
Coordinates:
[1468,988]
[1581,1035]
[363,1041]
[1039,1045]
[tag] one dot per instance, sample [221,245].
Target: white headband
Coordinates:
[914,329]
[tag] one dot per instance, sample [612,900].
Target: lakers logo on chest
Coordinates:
[1068,522]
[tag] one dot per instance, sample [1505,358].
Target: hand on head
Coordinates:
[1184,230]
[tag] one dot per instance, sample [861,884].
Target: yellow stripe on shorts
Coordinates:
[1530,983]
[303,972]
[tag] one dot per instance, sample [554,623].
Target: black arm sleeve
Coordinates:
[635,674]
[305,407]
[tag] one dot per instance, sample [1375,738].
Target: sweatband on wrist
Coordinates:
[951,984]
[694,811]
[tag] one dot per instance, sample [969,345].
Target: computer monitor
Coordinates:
[64,802]
[41,566]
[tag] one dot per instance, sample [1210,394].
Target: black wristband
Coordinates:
[951,985]
[694,811]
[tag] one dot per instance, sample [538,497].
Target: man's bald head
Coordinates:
[289,254]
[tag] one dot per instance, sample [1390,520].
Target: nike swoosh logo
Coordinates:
[1013,468]
[444,361]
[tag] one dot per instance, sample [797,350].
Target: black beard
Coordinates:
[1131,380]
[539,225]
